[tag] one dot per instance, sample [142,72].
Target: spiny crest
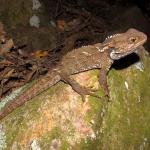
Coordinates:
[111,36]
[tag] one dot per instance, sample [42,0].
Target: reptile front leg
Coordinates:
[103,81]
[77,87]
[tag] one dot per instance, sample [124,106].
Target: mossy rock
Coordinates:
[58,119]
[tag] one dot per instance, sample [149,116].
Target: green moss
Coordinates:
[123,123]
[46,139]
[127,124]
[18,120]
[97,105]
[87,144]
[55,134]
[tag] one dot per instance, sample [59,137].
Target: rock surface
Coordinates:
[58,119]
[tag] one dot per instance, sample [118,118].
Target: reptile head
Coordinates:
[126,43]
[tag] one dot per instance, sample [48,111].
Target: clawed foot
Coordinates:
[85,91]
[82,91]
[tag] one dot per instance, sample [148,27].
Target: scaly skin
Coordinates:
[97,56]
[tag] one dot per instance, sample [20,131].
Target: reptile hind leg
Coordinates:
[78,88]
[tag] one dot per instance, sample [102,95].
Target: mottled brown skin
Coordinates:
[97,56]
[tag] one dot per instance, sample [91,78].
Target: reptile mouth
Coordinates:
[116,56]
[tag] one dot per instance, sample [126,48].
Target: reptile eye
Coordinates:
[132,39]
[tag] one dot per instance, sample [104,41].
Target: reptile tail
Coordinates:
[41,85]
